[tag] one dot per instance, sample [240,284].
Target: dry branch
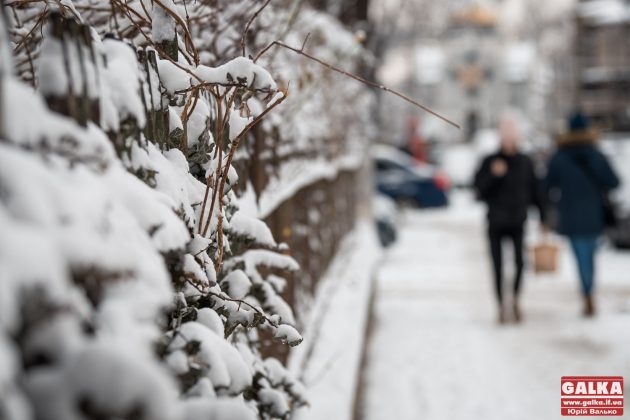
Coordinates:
[249,23]
[357,78]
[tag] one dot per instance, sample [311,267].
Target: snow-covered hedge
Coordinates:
[131,284]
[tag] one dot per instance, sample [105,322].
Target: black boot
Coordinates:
[589,306]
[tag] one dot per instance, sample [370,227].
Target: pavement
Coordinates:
[436,351]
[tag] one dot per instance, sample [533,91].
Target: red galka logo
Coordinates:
[591,396]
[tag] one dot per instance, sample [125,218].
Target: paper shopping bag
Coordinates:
[546,257]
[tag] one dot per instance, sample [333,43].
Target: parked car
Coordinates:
[617,148]
[385,215]
[620,234]
[420,185]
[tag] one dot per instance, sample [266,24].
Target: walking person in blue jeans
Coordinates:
[578,177]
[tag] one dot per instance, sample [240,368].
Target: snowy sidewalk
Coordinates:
[436,351]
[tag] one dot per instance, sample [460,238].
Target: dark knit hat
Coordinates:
[578,122]
[579,130]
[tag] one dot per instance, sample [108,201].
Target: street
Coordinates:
[436,350]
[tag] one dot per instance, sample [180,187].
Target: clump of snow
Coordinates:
[288,334]
[163,24]
[238,124]
[91,383]
[237,284]
[252,228]
[51,131]
[210,319]
[122,82]
[173,77]
[216,358]
[241,71]
[51,72]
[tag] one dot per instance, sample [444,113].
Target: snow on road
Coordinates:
[436,351]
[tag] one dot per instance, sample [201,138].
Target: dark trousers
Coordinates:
[496,237]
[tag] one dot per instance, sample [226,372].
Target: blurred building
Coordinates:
[602,48]
[470,69]
[484,72]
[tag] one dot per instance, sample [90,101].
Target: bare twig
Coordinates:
[249,23]
[242,302]
[218,156]
[305,41]
[225,85]
[238,138]
[357,78]
[189,108]
[40,22]
[219,261]
[211,180]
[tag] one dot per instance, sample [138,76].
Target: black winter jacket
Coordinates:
[509,197]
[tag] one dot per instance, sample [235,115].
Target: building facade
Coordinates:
[602,61]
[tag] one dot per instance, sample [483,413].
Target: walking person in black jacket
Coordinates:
[579,176]
[507,183]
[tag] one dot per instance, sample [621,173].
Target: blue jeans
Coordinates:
[584,248]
